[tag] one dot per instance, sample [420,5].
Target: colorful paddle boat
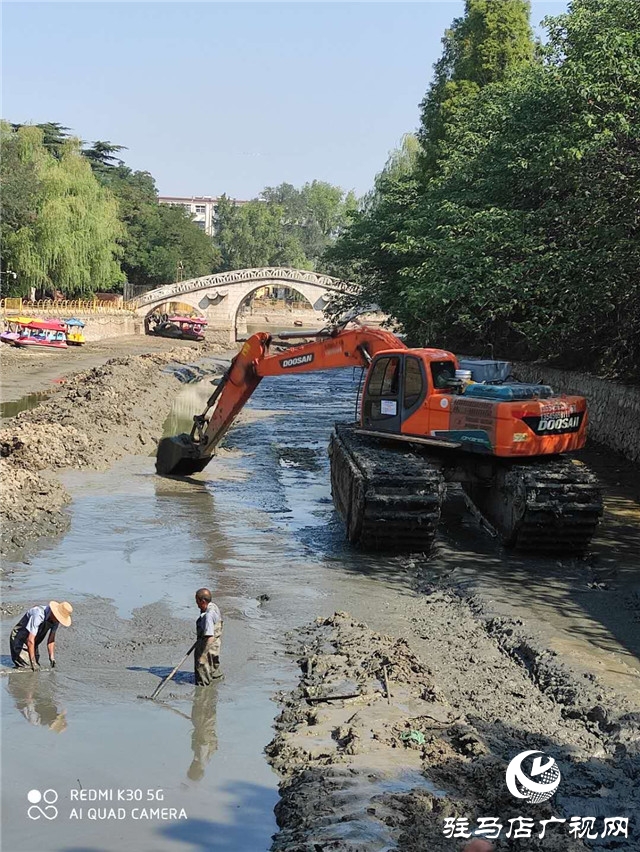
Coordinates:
[42,334]
[74,333]
[14,325]
[177,327]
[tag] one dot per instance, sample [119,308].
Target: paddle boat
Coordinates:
[14,325]
[74,333]
[177,327]
[42,334]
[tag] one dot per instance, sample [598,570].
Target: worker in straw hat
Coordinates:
[32,629]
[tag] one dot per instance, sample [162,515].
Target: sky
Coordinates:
[230,97]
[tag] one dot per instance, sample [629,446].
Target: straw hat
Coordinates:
[62,612]
[59,724]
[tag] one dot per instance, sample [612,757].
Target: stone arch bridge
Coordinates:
[218,297]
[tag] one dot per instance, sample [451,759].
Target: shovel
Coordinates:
[162,685]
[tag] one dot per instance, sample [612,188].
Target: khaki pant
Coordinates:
[208,670]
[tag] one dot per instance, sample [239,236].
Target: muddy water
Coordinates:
[25,403]
[139,541]
[258,522]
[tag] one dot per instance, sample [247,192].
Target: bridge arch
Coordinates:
[240,321]
[172,306]
[218,297]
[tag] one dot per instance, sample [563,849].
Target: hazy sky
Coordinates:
[229,97]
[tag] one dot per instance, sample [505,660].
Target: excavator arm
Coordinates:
[181,455]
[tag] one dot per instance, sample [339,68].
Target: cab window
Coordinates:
[413,382]
[442,372]
[384,378]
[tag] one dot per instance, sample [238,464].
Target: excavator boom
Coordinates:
[182,455]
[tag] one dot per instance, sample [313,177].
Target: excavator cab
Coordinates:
[397,386]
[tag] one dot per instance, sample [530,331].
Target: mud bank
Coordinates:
[97,417]
[367,772]
[25,371]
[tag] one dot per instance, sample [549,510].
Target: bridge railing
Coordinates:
[167,292]
[62,307]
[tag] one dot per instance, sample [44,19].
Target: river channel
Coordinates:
[257,527]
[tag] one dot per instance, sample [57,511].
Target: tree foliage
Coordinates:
[516,230]
[62,226]
[285,226]
[157,240]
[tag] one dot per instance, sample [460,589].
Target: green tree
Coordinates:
[20,184]
[54,136]
[65,236]
[102,156]
[255,234]
[518,230]
[156,237]
[491,41]
[284,226]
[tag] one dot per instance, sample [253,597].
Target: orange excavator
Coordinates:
[425,420]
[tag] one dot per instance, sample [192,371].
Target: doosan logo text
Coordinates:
[554,424]
[549,425]
[297,361]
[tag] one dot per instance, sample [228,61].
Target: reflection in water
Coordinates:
[25,403]
[34,696]
[204,740]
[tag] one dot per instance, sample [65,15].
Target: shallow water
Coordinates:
[135,539]
[25,403]
[258,521]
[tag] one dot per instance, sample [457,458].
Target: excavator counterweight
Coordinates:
[423,422]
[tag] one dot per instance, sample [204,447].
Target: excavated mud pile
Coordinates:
[97,417]
[367,771]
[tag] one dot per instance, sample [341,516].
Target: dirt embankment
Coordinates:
[367,772]
[97,417]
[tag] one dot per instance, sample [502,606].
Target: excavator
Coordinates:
[424,422]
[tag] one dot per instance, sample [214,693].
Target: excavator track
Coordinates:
[544,505]
[390,498]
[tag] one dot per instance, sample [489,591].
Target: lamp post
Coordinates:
[179,271]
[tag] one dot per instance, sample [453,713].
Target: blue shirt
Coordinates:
[35,620]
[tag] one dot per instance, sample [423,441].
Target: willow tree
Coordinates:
[68,240]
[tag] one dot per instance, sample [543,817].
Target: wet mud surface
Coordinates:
[96,417]
[347,761]
[26,372]
[487,655]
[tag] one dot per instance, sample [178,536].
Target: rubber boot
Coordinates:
[215,671]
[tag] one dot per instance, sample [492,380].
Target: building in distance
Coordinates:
[201,207]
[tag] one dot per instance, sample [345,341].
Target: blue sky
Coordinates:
[229,97]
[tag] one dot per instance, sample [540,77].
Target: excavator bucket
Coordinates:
[179,456]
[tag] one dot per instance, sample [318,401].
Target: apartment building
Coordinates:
[201,207]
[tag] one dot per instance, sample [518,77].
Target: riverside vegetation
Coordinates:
[509,223]
[78,220]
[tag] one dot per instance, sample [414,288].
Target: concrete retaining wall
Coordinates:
[102,326]
[614,409]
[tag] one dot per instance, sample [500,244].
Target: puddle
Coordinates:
[25,403]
